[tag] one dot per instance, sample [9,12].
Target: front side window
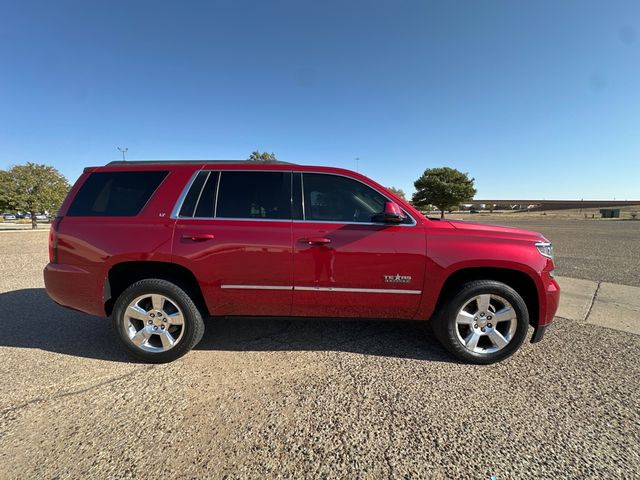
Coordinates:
[332,198]
[254,195]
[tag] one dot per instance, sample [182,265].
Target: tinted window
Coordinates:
[333,198]
[254,195]
[190,201]
[207,200]
[115,194]
[339,199]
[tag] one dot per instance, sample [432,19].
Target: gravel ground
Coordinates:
[598,250]
[262,398]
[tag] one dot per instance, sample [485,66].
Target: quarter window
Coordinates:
[115,194]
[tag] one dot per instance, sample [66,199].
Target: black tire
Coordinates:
[193,324]
[446,329]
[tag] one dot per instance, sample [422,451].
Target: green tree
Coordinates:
[443,187]
[4,186]
[398,191]
[262,157]
[32,188]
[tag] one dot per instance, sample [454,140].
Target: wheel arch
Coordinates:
[123,274]
[520,281]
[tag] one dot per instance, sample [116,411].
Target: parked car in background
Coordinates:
[160,245]
[41,217]
[8,216]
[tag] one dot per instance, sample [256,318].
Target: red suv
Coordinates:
[160,245]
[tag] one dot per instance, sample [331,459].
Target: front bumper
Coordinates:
[549,302]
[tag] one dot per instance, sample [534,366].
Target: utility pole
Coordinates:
[123,150]
[358,164]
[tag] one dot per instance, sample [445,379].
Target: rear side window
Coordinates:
[191,200]
[206,204]
[115,194]
[265,195]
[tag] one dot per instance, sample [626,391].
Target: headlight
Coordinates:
[545,249]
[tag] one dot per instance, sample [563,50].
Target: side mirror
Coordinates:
[392,214]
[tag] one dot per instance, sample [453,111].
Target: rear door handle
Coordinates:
[315,241]
[198,237]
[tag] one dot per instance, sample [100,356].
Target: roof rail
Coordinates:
[162,162]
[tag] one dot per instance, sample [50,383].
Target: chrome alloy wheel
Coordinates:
[154,323]
[486,323]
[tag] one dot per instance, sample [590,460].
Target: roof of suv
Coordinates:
[186,168]
[187,162]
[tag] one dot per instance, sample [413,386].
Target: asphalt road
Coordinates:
[602,251]
[262,398]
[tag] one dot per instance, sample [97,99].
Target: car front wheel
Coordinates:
[156,321]
[483,322]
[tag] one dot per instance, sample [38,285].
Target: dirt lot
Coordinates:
[263,398]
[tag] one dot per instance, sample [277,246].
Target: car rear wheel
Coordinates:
[156,321]
[483,322]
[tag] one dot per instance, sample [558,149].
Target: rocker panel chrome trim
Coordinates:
[323,289]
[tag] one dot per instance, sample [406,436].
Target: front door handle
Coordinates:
[198,237]
[316,241]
